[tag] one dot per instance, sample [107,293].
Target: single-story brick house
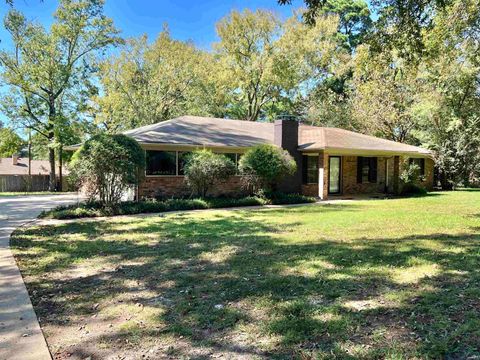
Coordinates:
[330,161]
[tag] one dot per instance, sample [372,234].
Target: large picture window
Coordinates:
[161,162]
[168,163]
[182,159]
[310,169]
[366,169]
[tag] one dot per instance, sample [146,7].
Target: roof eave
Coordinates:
[365,152]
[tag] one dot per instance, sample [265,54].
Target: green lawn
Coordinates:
[369,279]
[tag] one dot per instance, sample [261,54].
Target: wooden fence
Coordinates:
[10,183]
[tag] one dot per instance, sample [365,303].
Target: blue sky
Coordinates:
[187,19]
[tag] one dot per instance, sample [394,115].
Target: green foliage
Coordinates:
[264,63]
[263,166]
[148,83]
[411,174]
[10,142]
[48,72]
[458,155]
[412,189]
[279,198]
[96,209]
[355,19]
[108,165]
[203,169]
[410,178]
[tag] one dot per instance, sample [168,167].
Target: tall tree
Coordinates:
[398,23]
[48,68]
[249,60]
[268,66]
[145,84]
[10,142]
[318,61]
[354,19]
[384,93]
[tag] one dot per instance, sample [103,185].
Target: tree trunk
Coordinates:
[51,136]
[60,169]
[29,160]
[51,158]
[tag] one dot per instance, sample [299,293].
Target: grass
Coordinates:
[378,279]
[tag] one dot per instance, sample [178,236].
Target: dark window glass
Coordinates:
[367,170]
[310,169]
[161,162]
[420,162]
[182,159]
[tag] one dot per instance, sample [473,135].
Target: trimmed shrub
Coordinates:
[279,198]
[412,189]
[106,166]
[409,177]
[95,208]
[263,166]
[203,169]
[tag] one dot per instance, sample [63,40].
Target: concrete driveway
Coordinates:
[20,333]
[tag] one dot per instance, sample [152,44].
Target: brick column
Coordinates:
[396,175]
[323,175]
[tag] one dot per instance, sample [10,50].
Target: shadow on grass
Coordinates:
[214,277]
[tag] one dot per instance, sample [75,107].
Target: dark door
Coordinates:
[334,174]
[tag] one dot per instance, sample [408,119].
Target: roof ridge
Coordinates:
[375,137]
[144,127]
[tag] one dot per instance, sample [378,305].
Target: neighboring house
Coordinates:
[14,174]
[330,161]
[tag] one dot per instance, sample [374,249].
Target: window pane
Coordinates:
[182,159]
[365,169]
[161,162]
[334,175]
[312,169]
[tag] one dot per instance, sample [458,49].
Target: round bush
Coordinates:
[203,169]
[108,165]
[263,166]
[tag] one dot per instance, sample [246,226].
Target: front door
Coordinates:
[334,173]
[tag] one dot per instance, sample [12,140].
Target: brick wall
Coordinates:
[175,186]
[349,177]
[429,169]
[310,189]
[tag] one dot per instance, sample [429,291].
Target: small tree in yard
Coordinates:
[203,169]
[107,165]
[409,177]
[264,165]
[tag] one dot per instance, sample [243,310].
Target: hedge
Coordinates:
[95,209]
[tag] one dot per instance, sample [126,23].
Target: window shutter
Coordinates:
[304,168]
[372,174]
[359,169]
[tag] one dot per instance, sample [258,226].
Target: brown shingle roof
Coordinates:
[195,130]
[39,167]
[215,132]
[317,138]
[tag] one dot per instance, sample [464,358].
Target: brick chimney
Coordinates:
[286,137]
[15,159]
